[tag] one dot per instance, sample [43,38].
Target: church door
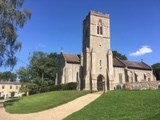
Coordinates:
[100,83]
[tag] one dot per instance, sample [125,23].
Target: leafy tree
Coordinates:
[8,76]
[156,70]
[42,69]
[119,55]
[29,88]
[24,74]
[12,17]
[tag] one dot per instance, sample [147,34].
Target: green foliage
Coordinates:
[40,102]
[119,55]
[156,70]
[69,86]
[55,88]
[122,105]
[34,88]
[24,74]
[31,88]
[8,76]
[12,17]
[44,89]
[44,66]
[41,71]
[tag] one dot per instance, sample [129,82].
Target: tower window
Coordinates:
[100,62]
[100,28]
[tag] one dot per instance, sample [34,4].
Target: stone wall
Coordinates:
[153,85]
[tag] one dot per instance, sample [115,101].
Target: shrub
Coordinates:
[44,89]
[71,86]
[55,87]
[34,89]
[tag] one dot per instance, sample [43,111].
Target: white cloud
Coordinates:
[142,51]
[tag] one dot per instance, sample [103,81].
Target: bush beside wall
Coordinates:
[68,86]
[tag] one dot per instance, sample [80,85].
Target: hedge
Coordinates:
[41,89]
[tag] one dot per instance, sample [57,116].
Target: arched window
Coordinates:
[100,62]
[100,27]
[136,77]
[145,77]
[77,78]
[120,78]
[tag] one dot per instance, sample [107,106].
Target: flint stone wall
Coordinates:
[152,85]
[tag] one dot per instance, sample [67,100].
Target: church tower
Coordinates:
[96,59]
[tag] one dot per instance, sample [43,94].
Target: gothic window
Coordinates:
[120,78]
[136,77]
[77,77]
[100,62]
[100,28]
[145,77]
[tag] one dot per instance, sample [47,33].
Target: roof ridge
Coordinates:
[69,54]
[63,56]
[121,61]
[73,58]
[146,64]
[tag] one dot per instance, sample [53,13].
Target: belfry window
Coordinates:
[100,28]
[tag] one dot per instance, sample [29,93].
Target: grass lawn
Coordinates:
[40,102]
[122,105]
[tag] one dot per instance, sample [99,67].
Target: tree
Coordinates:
[42,69]
[12,17]
[24,74]
[119,55]
[29,88]
[8,76]
[156,70]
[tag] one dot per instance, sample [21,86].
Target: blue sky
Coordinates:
[56,24]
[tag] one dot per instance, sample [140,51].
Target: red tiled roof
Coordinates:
[135,65]
[117,63]
[70,58]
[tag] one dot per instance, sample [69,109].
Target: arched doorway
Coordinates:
[100,83]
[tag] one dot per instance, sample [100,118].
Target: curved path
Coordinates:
[57,113]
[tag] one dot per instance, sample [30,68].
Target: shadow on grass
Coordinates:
[155,117]
[11,102]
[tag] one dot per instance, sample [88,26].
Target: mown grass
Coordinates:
[122,105]
[40,102]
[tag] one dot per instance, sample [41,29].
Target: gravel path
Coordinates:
[57,113]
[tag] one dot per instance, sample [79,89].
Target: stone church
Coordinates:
[96,68]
